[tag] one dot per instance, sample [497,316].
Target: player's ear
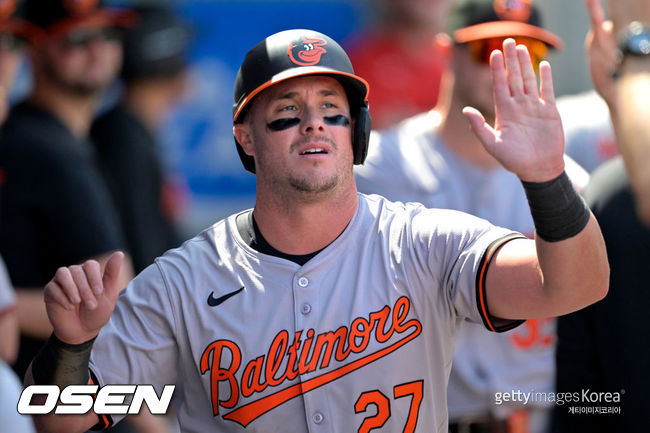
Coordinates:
[242,133]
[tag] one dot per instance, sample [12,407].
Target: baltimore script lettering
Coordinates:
[305,354]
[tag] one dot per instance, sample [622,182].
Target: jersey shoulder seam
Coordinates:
[167,289]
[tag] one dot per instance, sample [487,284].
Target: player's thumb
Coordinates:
[111,275]
[481,129]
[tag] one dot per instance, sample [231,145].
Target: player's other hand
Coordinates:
[80,299]
[527,137]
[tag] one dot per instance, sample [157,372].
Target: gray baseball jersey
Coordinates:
[410,162]
[358,337]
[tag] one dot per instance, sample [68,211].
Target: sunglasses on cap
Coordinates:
[11,42]
[83,37]
[481,49]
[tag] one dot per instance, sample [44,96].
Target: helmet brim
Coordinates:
[349,81]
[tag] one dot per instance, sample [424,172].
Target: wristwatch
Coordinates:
[635,40]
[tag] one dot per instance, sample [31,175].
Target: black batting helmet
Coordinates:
[296,53]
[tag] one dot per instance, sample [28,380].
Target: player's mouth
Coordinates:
[314,150]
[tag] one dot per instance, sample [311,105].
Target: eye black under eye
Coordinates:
[338,120]
[282,124]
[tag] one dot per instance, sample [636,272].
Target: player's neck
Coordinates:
[459,138]
[294,227]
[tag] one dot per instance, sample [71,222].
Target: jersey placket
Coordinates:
[305,290]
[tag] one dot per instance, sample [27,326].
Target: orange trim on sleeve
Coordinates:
[481,277]
[104,421]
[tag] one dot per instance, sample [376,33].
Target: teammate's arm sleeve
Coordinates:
[138,345]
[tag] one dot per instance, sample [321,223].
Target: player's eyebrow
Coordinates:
[293,94]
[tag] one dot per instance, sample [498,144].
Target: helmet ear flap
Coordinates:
[247,160]
[361,136]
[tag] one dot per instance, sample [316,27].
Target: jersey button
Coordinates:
[317,417]
[303,282]
[305,308]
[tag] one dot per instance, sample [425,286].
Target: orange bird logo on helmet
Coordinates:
[307,51]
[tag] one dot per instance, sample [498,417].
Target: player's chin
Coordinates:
[315,183]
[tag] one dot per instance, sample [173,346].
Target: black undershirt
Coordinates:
[250,232]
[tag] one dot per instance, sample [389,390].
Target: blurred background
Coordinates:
[197,144]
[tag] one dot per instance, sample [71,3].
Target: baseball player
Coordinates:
[434,159]
[323,309]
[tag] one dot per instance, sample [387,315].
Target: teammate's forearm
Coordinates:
[632,131]
[570,248]
[565,269]
[32,316]
[9,333]
[574,271]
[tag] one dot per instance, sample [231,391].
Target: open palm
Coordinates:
[527,137]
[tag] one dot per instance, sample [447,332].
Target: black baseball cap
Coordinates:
[57,17]
[471,20]
[156,46]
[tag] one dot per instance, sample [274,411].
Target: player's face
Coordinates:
[471,68]
[301,136]
[473,82]
[84,60]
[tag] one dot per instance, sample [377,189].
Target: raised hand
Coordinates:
[602,51]
[527,137]
[80,300]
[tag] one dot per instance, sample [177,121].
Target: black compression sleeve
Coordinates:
[558,211]
[62,364]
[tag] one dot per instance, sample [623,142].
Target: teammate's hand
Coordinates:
[80,300]
[602,51]
[527,137]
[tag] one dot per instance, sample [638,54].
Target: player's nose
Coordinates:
[312,121]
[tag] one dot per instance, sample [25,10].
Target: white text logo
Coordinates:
[79,399]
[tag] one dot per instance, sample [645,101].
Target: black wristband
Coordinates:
[558,211]
[62,364]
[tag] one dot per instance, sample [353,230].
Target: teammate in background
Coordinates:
[588,131]
[604,348]
[10,386]
[15,34]
[402,58]
[323,308]
[154,77]
[54,205]
[434,159]
[55,208]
